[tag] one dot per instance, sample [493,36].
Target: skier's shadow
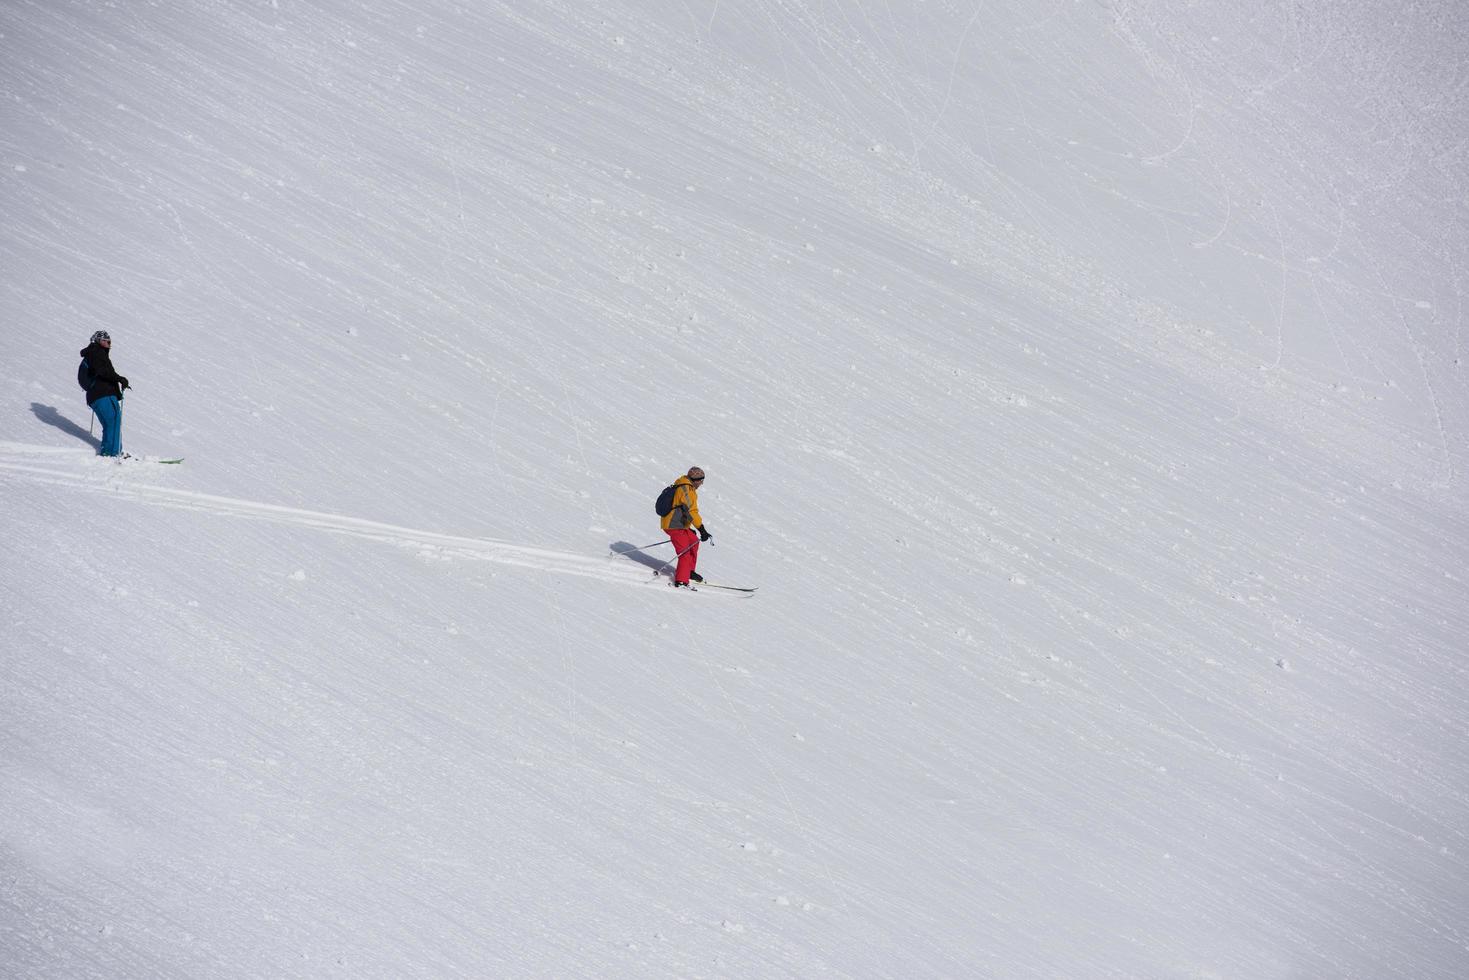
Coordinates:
[640,555]
[53,418]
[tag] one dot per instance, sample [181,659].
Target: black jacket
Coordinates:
[106,380]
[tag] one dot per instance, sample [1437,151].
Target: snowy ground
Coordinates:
[1081,383]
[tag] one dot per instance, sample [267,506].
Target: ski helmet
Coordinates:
[100,336]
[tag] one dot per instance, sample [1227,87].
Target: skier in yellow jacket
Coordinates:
[686,527]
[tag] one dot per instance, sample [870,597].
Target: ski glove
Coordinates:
[703,534]
[122,383]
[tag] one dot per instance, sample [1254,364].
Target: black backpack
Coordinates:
[664,504]
[85,377]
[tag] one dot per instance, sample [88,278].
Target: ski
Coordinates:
[663,571]
[130,458]
[720,593]
[727,588]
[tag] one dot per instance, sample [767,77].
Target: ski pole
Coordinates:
[633,551]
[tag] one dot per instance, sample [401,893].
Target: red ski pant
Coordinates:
[685,540]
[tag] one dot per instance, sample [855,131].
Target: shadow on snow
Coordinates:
[644,555]
[53,418]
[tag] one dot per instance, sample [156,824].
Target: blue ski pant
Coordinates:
[109,412]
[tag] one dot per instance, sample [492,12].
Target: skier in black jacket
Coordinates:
[105,394]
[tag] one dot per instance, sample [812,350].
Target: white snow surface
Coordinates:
[1081,383]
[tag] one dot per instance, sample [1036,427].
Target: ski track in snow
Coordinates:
[38,465]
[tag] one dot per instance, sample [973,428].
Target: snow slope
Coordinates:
[1081,383]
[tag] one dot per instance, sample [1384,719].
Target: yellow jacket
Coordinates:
[685,512]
